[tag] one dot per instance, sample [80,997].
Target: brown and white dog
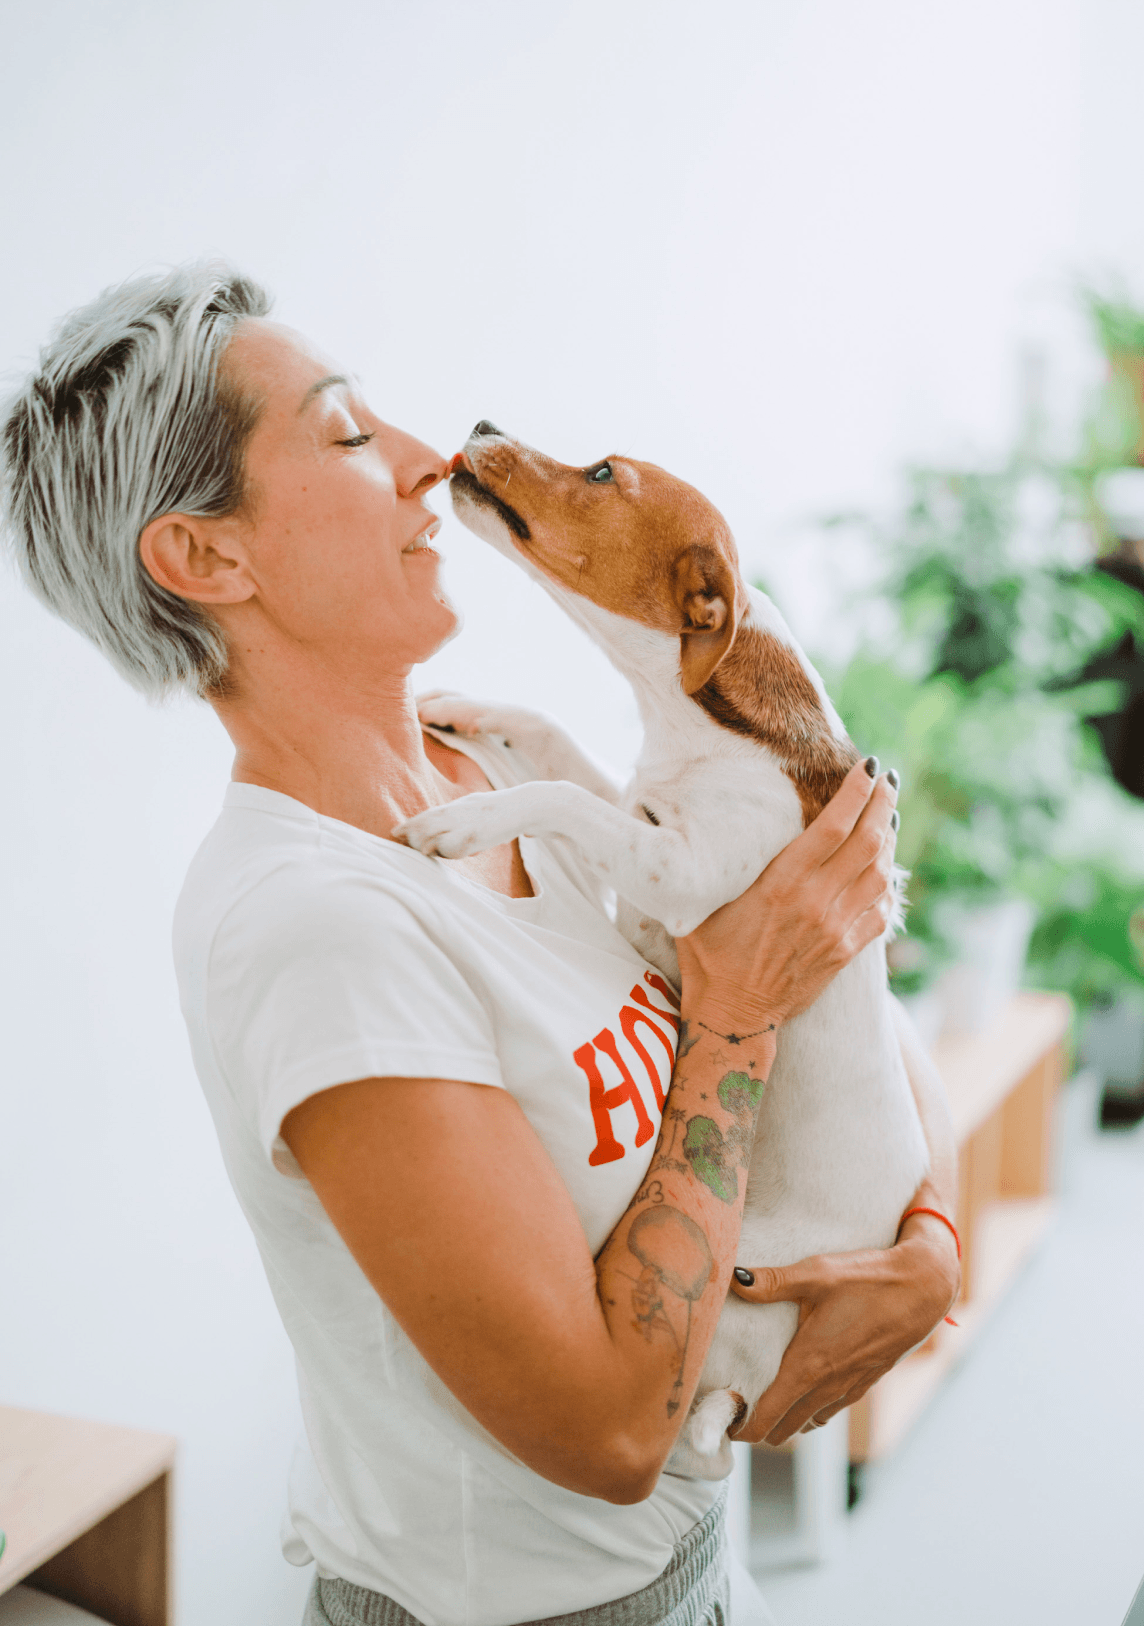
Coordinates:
[742,748]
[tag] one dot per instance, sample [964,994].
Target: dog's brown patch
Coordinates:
[760,689]
[647,546]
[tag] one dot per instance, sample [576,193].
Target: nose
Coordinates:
[486,428]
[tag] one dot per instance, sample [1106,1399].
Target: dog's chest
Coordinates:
[736,804]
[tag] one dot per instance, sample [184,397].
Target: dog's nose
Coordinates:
[486,428]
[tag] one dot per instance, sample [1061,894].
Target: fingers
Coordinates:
[866,928]
[792,1400]
[850,1398]
[784,1284]
[866,844]
[875,879]
[821,1405]
[864,910]
[837,1351]
[827,833]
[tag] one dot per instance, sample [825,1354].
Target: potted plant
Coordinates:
[1011,822]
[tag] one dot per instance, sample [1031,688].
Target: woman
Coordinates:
[499,1322]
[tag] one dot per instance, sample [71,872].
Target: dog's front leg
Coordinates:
[656,869]
[553,751]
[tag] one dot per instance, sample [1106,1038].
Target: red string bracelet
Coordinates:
[945,1220]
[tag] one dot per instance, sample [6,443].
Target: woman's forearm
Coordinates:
[663,1273]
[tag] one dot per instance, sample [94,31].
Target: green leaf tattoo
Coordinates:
[741,1094]
[712,1155]
[706,1151]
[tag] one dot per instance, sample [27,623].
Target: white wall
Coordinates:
[772,246]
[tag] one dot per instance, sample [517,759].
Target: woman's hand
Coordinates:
[768,955]
[859,1313]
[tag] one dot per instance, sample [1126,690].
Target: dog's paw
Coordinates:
[711,1419]
[457,714]
[469,825]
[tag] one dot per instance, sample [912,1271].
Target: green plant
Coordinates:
[1114,431]
[1117,322]
[1004,786]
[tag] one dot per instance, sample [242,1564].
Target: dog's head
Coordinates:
[623,535]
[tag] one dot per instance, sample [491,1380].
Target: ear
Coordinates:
[195,558]
[705,592]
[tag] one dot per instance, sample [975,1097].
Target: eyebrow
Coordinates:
[323,384]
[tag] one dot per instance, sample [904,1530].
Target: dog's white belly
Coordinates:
[839,1151]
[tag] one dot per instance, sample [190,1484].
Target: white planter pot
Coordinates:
[992,945]
[1113,1042]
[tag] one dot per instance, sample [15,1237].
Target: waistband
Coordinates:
[691,1591]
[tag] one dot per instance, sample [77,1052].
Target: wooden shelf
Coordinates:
[980,1069]
[1002,1086]
[85,1507]
[1014,1229]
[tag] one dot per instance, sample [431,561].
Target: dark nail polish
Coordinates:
[745,1278]
[895,820]
[892,776]
[872,767]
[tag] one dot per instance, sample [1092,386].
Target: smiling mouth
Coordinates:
[423,541]
[462,480]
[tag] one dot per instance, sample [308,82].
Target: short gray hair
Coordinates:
[126,418]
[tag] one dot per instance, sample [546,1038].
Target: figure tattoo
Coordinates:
[676,1262]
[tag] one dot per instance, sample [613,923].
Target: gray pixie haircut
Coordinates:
[127,417]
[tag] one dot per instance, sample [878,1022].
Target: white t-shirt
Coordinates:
[310,953]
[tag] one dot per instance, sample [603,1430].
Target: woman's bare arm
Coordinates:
[585,1369]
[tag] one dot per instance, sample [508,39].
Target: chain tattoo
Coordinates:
[738,1038]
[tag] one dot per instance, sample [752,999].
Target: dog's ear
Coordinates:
[705,592]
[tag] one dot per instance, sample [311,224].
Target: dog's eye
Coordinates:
[602,475]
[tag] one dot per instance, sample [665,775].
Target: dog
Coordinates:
[742,748]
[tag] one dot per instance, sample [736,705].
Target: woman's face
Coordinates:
[338,537]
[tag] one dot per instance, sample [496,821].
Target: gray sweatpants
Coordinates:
[692,1591]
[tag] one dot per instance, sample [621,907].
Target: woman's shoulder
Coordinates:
[273,873]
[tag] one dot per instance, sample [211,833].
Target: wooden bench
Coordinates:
[86,1508]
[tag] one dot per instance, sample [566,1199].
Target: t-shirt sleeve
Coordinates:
[320,979]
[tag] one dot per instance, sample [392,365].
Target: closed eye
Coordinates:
[356,440]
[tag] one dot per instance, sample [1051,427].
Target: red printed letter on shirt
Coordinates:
[641,999]
[603,1102]
[653,980]
[628,1019]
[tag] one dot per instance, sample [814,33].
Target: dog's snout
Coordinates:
[486,428]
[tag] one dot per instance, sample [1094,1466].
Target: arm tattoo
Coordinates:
[715,1157]
[677,1264]
[736,1038]
[687,1040]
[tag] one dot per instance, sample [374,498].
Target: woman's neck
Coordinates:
[351,751]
